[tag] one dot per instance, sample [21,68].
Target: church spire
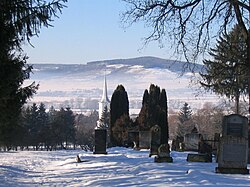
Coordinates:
[105,93]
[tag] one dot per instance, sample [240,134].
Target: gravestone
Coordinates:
[191,141]
[133,139]
[144,139]
[155,140]
[201,157]
[204,153]
[233,147]
[248,147]
[177,144]
[163,154]
[100,141]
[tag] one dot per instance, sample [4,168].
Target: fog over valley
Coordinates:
[80,85]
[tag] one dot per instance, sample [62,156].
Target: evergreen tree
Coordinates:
[154,111]
[63,127]
[164,117]
[185,113]
[70,128]
[43,123]
[85,126]
[227,73]
[105,119]
[13,72]
[154,95]
[31,126]
[145,98]
[52,138]
[184,120]
[19,20]
[119,106]
[163,99]
[120,130]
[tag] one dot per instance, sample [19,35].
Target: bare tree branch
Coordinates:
[192,24]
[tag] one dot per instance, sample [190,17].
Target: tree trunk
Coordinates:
[248,66]
[246,28]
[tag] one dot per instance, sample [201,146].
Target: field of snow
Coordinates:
[120,167]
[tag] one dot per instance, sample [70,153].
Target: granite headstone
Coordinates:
[144,139]
[233,147]
[163,154]
[155,140]
[100,141]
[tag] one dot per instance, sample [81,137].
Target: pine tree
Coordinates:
[19,21]
[184,118]
[105,119]
[226,74]
[31,126]
[13,72]
[185,113]
[43,123]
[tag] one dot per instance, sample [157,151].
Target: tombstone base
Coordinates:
[248,159]
[163,159]
[232,170]
[136,148]
[100,152]
[199,158]
[153,153]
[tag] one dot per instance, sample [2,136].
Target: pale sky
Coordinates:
[91,30]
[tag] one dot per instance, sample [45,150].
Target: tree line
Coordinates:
[39,129]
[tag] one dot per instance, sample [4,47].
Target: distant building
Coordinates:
[104,103]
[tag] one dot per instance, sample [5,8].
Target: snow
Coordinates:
[116,66]
[120,167]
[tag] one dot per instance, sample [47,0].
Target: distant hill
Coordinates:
[146,62]
[76,82]
[153,62]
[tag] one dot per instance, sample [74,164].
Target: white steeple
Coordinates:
[104,100]
[104,92]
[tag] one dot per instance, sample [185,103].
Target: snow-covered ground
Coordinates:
[120,167]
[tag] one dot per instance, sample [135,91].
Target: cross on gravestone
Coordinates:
[233,146]
[155,140]
[100,141]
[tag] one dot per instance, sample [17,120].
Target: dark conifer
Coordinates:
[145,98]
[185,113]
[19,21]
[119,106]
[227,73]
[154,111]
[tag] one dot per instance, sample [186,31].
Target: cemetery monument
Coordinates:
[233,147]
